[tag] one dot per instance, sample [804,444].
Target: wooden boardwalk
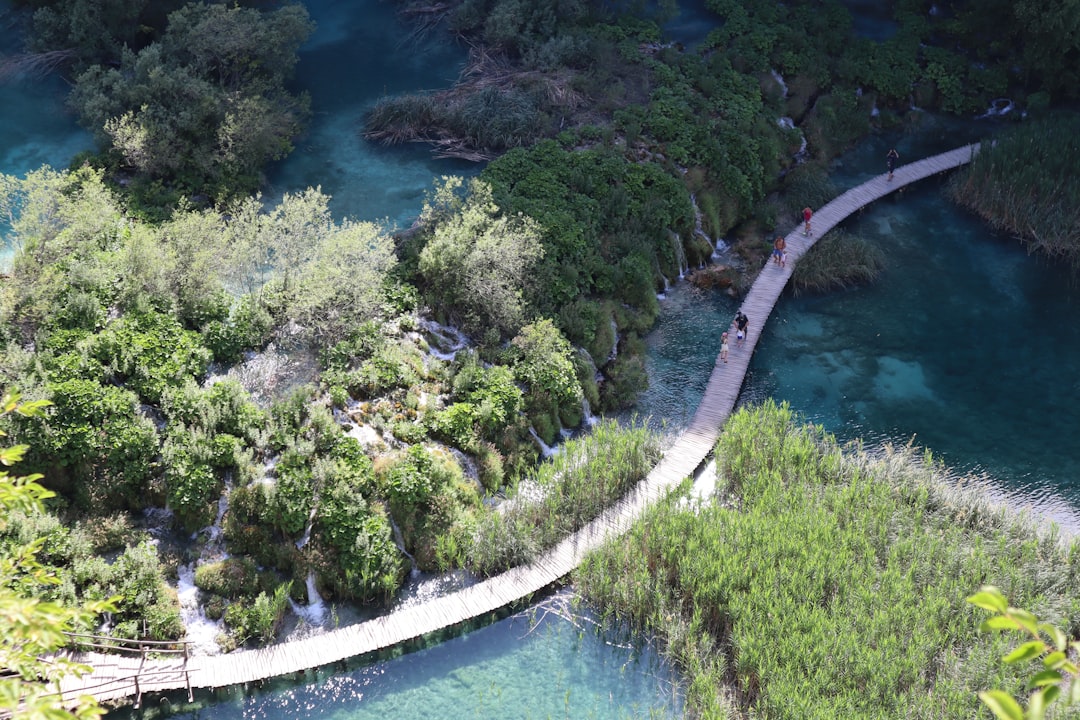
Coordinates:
[114,677]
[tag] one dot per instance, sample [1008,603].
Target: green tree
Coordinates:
[478,262]
[33,628]
[203,108]
[343,285]
[543,361]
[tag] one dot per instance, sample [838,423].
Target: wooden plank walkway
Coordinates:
[114,678]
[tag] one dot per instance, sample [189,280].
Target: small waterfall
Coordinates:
[699,228]
[660,295]
[546,450]
[587,418]
[615,331]
[213,532]
[779,81]
[399,540]
[306,537]
[445,342]
[789,124]
[157,521]
[998,107]
[680,255]
[314,613]
[468,465]
[199,630]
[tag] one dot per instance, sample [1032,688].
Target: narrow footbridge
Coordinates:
[114,677]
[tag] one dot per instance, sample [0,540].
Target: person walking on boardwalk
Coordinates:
[807,213]
[723,347]
[778,247]
[741,323]
[890,160]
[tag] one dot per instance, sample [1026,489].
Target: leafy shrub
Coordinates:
[232,578]
[149,352]
[260,619]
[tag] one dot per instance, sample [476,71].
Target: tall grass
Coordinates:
[837,261]
[1025,183]
[588,475]
[827,583]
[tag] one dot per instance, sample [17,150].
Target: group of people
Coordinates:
[779,253]
[741,323]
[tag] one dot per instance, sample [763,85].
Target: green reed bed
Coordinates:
[837,261]
[1025,183]
[826,583]
[588,475]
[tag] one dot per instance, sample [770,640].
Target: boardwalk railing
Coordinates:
[137,665]
[109,681]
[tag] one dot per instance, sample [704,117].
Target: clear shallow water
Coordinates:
[356,56]
[681,353]
[509,669]
[965,344]
[36,127]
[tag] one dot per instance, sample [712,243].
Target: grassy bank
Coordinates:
[1025,184]
[827,584]
[588,475]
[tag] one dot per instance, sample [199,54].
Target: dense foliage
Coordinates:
[184,99]
[822,584]
[32,623]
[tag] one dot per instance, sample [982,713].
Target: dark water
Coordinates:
[360,53]
[511,669]
[35,126]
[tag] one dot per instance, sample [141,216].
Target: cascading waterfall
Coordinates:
[306,537]
[200,630]
[314,613]
[587,418]
[546,450]
[615,331]
[998,107]
[445,341]
[680,254]
[779,81]
[699,227]
[399,540]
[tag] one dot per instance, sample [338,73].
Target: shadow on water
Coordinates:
[359,54]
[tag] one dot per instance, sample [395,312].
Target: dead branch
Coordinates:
[34,65]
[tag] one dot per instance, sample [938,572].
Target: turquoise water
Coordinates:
[359,54]
[37,128]
[555,668]
[965,346]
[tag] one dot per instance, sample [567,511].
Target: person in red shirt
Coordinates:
[807,213]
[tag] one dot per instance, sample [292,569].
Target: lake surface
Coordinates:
[557,666]
[37,128]
[360,53]
[964,346]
